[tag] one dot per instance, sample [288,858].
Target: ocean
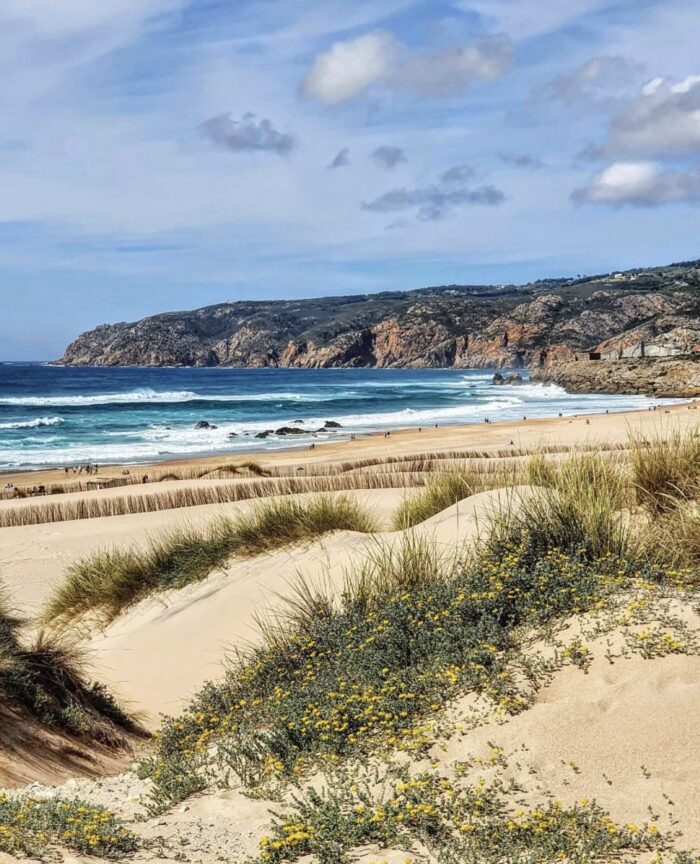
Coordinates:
[58,416]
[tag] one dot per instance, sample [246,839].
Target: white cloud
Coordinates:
[532,18]
[348,68]
[641,184]
[662,122]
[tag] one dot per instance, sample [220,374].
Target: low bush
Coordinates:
[454,820]
[34,828]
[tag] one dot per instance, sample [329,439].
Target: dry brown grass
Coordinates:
[221,493]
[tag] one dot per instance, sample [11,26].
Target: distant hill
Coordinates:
[467,326]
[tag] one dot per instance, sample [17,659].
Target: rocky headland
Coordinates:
[677,377]
[449,326]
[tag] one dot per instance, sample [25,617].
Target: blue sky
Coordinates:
[168,154]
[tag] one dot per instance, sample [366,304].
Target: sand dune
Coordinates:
[162,650]
[33,558]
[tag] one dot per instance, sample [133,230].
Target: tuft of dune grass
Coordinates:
[441,492]
[665,469]
[109,581]
[577,511]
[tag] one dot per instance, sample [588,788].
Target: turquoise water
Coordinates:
[54,416]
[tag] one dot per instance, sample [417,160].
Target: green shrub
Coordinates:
[368,674]
[454,820]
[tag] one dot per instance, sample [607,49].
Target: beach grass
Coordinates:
[665,469]
[441,492]
[109,581]
[575,507]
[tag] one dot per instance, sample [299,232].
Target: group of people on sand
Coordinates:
[82,469]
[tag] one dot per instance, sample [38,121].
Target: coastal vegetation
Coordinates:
[36,828]
[372,671]
[108,581]
[438,494]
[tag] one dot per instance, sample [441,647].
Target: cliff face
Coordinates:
[677,377]
[462,326]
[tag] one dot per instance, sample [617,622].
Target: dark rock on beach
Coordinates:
[205,424]
[291,430]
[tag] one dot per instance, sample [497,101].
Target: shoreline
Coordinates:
[493,435]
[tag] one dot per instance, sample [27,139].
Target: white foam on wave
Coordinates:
[161,441]
[146,395]
[33,424]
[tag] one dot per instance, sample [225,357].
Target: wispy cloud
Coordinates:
[593,84]
[521,160]
[438,200]
[453,69]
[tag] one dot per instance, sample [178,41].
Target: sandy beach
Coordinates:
[612,427]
